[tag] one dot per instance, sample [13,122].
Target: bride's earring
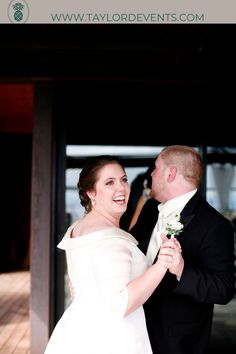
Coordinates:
[93,202]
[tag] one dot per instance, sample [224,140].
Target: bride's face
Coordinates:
[112,190]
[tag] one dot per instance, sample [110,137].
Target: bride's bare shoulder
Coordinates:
[77,228]
[85,225]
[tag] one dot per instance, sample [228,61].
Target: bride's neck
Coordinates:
[108,219]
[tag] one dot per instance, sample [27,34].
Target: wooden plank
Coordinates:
[13,319]
[14,313]
[13,286]
[23,345]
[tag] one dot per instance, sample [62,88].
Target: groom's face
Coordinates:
[159,177]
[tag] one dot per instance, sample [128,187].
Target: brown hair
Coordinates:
[90,174]
[187,160]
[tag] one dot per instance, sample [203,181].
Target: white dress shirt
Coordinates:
[166,212]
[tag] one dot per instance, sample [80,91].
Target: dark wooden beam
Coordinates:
[41,219]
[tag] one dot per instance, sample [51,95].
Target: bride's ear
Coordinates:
[91,194]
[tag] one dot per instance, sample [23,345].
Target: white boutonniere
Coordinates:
[174,227]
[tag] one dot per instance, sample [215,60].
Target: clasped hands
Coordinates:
[170,256]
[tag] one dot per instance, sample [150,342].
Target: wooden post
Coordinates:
[41,218]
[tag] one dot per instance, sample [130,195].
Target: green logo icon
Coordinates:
[18,11]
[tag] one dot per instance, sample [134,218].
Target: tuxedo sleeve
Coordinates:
[210,276]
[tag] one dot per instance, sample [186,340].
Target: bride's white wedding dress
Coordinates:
[100,265]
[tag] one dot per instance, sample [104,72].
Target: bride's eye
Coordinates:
[109,183]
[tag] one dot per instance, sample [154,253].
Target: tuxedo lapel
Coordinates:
[185,220]
[188,211]
[187,214]
[191,205]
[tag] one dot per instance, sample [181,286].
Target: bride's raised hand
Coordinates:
[170,254]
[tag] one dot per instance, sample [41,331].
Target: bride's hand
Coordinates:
[72,290]
[169,253]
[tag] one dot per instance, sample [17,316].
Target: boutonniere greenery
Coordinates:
[174,227]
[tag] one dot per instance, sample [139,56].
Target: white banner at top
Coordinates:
[118,11]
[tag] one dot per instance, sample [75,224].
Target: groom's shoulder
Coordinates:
[210,210]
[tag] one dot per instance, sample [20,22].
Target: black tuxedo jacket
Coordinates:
[179,314]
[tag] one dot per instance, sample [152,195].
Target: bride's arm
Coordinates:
[141,288]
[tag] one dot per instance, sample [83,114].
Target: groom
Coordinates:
[179,313]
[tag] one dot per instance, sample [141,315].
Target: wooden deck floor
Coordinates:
[15,328]
[14,313]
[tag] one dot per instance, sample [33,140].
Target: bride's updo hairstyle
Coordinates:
[89,176]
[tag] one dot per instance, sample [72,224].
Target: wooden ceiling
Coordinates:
[137,52]
[179,79]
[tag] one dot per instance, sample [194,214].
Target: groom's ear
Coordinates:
[172,173]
